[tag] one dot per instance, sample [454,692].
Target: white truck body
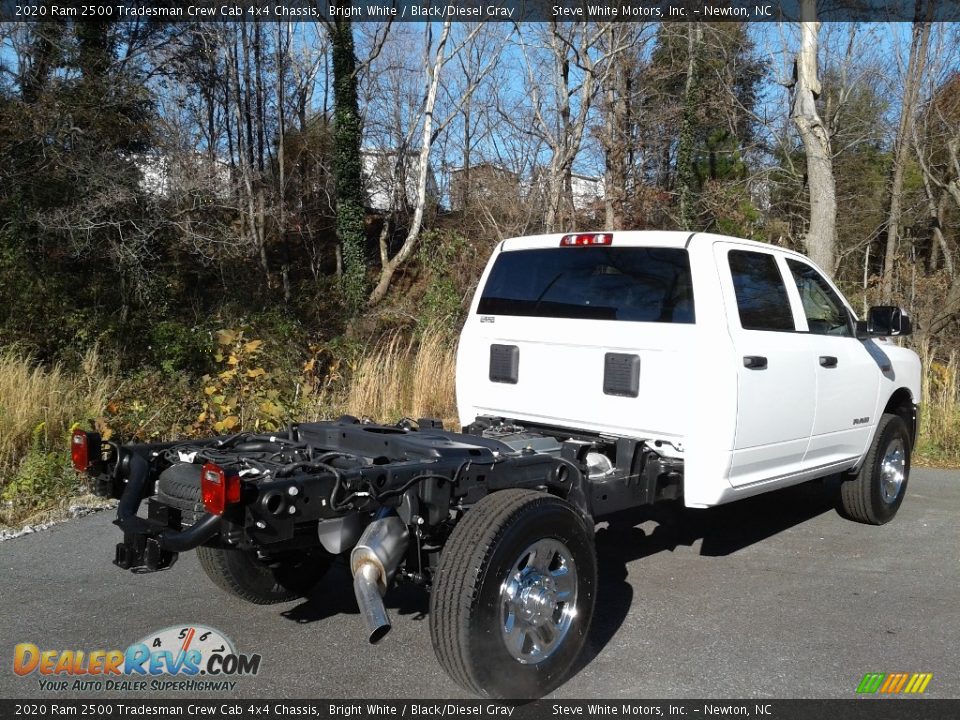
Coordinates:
[808,408]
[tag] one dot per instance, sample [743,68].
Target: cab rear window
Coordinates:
[595,283]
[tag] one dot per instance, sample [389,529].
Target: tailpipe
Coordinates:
[373,562]
[366,586]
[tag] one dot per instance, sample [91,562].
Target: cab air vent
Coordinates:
[621,374]
[504,363]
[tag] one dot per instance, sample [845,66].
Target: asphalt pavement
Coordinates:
[776,596]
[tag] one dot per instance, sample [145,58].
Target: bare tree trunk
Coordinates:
[936,208]
[283,45]
[616,129]
[866,276]
[686,171]
[433,126]
[938,194]
[821,237]
[466,190]
[251,182]
[908,106]
[566,138]
[953,186]
[558,161]
[389,268]
[465,170]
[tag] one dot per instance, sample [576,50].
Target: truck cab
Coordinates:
[739,359]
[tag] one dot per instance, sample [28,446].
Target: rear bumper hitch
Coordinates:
[148,544]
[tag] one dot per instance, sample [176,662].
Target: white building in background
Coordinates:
[486,184]
[587,192]
[381,178]
[163,175]
[154,173]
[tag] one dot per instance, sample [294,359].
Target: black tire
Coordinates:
[243,574]
[872,495]
[467,605]
[264,581]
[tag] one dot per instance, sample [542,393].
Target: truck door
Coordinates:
[776,383]
[848,378]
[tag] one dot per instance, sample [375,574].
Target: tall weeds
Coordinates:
[939,441]
[405,377]
[38,406]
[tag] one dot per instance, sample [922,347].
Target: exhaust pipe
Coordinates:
[373,562]
[366,582]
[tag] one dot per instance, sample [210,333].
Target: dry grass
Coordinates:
[405,377]
[939,442]
[38,406]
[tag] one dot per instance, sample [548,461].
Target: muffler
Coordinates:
[373,562]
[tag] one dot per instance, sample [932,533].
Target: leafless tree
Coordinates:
[431,126]
[821,236]
[936,147]
[912,78]
[565,59]
[624,44]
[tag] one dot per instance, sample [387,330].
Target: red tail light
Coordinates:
[218,489]
[79,451]
[586,239]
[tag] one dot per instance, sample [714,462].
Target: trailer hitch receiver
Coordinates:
[142,551]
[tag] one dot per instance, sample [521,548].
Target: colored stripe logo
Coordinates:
[894,683]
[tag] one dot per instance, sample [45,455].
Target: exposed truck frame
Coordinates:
[391,495]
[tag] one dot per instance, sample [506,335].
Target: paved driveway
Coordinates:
[771,597]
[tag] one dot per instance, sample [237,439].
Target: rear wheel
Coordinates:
[514,595]
[264,580]
[246,574]
[874,494]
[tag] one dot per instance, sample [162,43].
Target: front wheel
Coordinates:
[874,494]
[514,595]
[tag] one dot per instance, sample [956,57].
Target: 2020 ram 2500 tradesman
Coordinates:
[596,372]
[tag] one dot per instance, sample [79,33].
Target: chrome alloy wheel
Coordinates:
[892,470]
[538,601]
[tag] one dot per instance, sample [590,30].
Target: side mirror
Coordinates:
[885,321]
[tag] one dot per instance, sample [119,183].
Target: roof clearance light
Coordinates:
[586,239]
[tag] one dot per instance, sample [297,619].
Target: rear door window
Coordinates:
[597,283]
[762,299]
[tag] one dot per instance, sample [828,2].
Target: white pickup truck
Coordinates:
[739,359]
[597,372]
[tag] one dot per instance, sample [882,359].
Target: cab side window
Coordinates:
[826,313]
[761,293]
